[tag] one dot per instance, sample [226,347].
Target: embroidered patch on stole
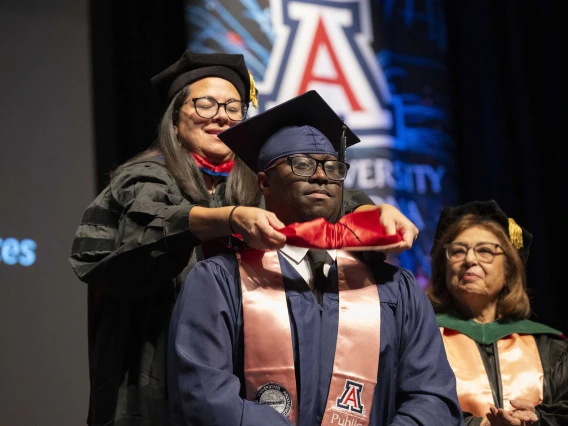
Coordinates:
[276,396]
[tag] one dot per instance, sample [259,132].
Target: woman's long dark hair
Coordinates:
[241,187]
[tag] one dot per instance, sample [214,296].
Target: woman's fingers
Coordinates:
[523,410]
[522,404]
[257,228]
[393,221]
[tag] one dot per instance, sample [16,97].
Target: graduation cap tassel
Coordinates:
[343,144]
[341,157]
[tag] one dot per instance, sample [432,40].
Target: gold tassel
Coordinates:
[516,234]
[252,94]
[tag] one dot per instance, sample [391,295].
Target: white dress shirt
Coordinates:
[296,256]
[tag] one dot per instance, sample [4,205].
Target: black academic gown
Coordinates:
[205,354]
[553,352]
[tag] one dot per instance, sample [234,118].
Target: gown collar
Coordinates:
[206,166]
[493,331]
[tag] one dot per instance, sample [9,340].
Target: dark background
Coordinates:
[76,101]
[509,103]
[509,110]
[47,178]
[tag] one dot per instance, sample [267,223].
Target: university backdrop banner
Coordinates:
[380,65]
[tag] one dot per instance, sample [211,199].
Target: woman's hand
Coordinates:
[392,220]
[256,226]
[524,411]
[522,414]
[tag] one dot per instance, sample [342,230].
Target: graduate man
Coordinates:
[271,338]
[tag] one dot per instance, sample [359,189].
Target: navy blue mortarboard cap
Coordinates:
[305,124]
[293,140]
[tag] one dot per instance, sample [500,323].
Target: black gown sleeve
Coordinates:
[554,357]
[353,198]
[135,235]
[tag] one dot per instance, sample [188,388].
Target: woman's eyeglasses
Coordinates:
[485,252]
[208,108]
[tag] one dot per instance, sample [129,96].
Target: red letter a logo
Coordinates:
[351,397]
[321,45]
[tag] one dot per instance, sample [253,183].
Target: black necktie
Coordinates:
[316,259]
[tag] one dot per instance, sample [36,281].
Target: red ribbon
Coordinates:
[206,166]
[357,230]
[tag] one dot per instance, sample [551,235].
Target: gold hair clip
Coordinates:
[516,234]
[252,93]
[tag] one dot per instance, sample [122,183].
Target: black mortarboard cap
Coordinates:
[305,124]
[520,237]
[192,66]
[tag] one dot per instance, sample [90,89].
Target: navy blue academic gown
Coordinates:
[415,385]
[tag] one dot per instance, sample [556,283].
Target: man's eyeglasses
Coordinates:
[307,166]
[485,252]
[208,108]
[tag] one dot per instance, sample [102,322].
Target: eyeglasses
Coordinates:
[208,108]
[307,166]
[485,252]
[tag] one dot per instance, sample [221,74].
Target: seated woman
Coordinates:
[509,370]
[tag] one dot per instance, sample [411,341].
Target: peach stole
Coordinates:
[268,341]
[519,367]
